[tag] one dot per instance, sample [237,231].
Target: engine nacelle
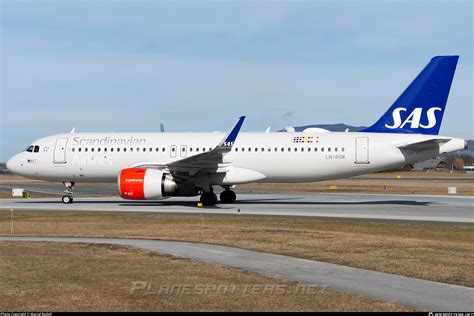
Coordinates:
[146,184]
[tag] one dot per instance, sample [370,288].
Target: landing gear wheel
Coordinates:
[69,188]
[228,196]
[67,199]
[208,198]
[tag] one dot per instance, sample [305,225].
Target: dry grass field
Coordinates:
[410,182]
[84,277]
[438,253]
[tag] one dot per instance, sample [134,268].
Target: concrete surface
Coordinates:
[406,208]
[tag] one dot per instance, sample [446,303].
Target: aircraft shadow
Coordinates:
[273,201]
[279,202]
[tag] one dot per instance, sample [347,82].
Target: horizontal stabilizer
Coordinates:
[426,144]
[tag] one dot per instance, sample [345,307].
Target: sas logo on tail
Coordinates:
[413,119]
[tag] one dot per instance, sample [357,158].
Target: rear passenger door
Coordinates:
[362,150]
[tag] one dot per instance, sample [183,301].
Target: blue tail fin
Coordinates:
[420,108]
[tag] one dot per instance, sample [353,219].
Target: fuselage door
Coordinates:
[362,150]
[59,155]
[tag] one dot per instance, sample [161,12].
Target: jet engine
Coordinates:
[150,184]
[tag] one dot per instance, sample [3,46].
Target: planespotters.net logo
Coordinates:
[145,288]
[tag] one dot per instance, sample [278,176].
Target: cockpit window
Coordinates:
[37,149]
[30,149]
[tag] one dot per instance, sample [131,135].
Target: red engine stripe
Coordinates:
[132,182]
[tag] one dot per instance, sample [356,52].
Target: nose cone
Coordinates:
[12,164]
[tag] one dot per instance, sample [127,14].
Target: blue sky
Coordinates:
[197,66]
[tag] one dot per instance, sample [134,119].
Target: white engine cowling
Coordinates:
[145,184]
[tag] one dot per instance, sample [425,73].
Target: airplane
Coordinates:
[152,166]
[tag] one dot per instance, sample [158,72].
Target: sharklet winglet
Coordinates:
[230,138]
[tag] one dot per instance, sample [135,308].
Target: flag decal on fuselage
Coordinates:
[305,139]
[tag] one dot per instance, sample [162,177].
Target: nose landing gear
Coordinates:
[67,197]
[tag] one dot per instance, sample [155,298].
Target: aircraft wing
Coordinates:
[426,144]
[210,161]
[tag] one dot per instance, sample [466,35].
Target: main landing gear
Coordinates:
[210,198]
[228,196]
[67,197]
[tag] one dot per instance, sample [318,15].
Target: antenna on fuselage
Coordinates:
[73,130]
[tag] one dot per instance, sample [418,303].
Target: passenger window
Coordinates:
[256,149]
[173,149]
[197,149]
[289,149]
[322,148]
[37,149]
[144,149]
[163,149]
[342,149]
[329,149]
[335,149]
[111,149]
[105,149]
[250,149]
[92,149]
[98,149]
[125,149]
[203,149]
[309,148]
[131,149]
[79,149]
[157,149]
[151,149]
[86,149]
[30,149]
[296,149]
[190,149]
[302,149]
[73,149]
[315,149]
[118,149]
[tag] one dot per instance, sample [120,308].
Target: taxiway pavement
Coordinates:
[360,207]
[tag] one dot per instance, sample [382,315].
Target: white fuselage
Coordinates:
[255,157]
